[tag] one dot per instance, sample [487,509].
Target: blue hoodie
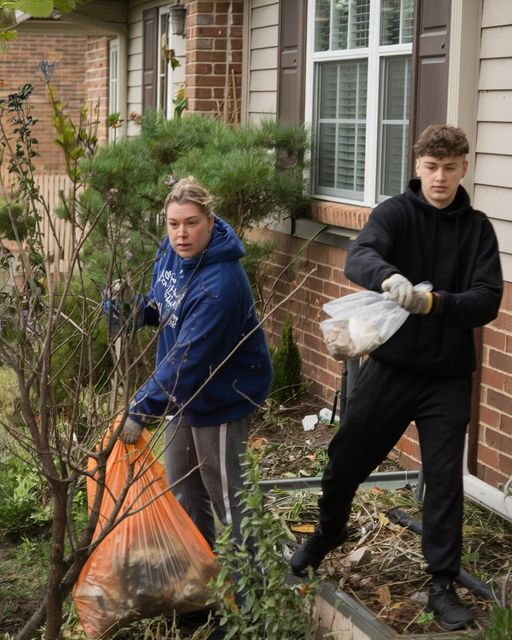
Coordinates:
[204,308]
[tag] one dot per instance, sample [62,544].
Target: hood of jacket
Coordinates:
[460,205]
[224,246]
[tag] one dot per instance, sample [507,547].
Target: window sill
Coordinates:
[347,216]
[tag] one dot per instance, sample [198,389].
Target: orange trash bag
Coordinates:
[154,562]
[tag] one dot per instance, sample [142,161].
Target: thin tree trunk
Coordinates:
[54,596]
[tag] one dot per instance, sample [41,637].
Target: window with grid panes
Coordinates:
[362,80]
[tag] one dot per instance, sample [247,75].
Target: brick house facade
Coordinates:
[80,79]
[213,72]
[226,47]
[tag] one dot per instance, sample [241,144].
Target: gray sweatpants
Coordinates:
[203,466]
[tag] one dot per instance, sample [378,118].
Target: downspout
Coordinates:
[475,489]
[486,495]
[474,421]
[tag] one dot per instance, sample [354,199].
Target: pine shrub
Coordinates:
[287,363]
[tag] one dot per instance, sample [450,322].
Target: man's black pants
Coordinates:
[382,404]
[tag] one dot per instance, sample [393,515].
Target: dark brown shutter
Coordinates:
[149,58]
[292,40]
[430,64]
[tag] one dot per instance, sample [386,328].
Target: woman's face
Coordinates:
[188,228]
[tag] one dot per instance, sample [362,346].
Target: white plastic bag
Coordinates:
[361,322]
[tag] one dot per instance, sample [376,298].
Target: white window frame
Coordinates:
[113,83]
[373,54]
[169,70]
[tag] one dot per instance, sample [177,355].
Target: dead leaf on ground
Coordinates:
[384,595]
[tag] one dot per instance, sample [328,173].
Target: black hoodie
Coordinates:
[453,248]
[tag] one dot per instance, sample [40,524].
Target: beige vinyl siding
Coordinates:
[493,167]
[134,80]
[496,13]
[261,62]
[495,105]
[135,10]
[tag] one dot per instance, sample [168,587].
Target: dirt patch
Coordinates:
[18,591]
[382,566]
[288,451]
[390,581]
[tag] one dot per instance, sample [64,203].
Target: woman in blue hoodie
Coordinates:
[212,365]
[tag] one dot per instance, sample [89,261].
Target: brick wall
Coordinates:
[96,83]
[76,57]
[213,69]
[494,458]
[325,283]
[495,441]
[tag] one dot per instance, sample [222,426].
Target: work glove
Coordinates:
[123,307]
[421,302]
[131,431]
[398,289]
[401,291]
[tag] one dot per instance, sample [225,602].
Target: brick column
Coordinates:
[213,69]
[96,83]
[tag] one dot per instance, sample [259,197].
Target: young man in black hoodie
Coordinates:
[423,373]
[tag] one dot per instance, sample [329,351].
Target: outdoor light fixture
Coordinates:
[177,13]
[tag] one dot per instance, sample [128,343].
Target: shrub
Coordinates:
[286,361]
[252,171]
[255,575]
[24,506]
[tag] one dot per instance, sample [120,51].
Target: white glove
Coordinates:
[401,291]
[421,302]
[398,289]
[131,431]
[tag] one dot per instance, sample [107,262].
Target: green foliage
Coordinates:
[269,607]
[500,624]
[287,364]
[8,394]
[15,222]
[252,171]
[246,171]
[160,628]
[23,572]
[24,505]
[180,102]
[39,8]
[253,260]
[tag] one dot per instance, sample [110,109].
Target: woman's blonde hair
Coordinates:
[190,190]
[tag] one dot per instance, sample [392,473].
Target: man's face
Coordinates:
[440,178]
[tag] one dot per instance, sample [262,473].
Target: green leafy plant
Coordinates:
[500,624]
[57,420]
[161,628]
[257,600]
[287,363]
[24,505]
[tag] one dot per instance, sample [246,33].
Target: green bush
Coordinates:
[287,364]
[252,171]
[256,578]
[8,392]
[24,506]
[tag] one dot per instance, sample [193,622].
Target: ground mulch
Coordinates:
[390,579]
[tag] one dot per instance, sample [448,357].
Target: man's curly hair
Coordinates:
[441,141]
